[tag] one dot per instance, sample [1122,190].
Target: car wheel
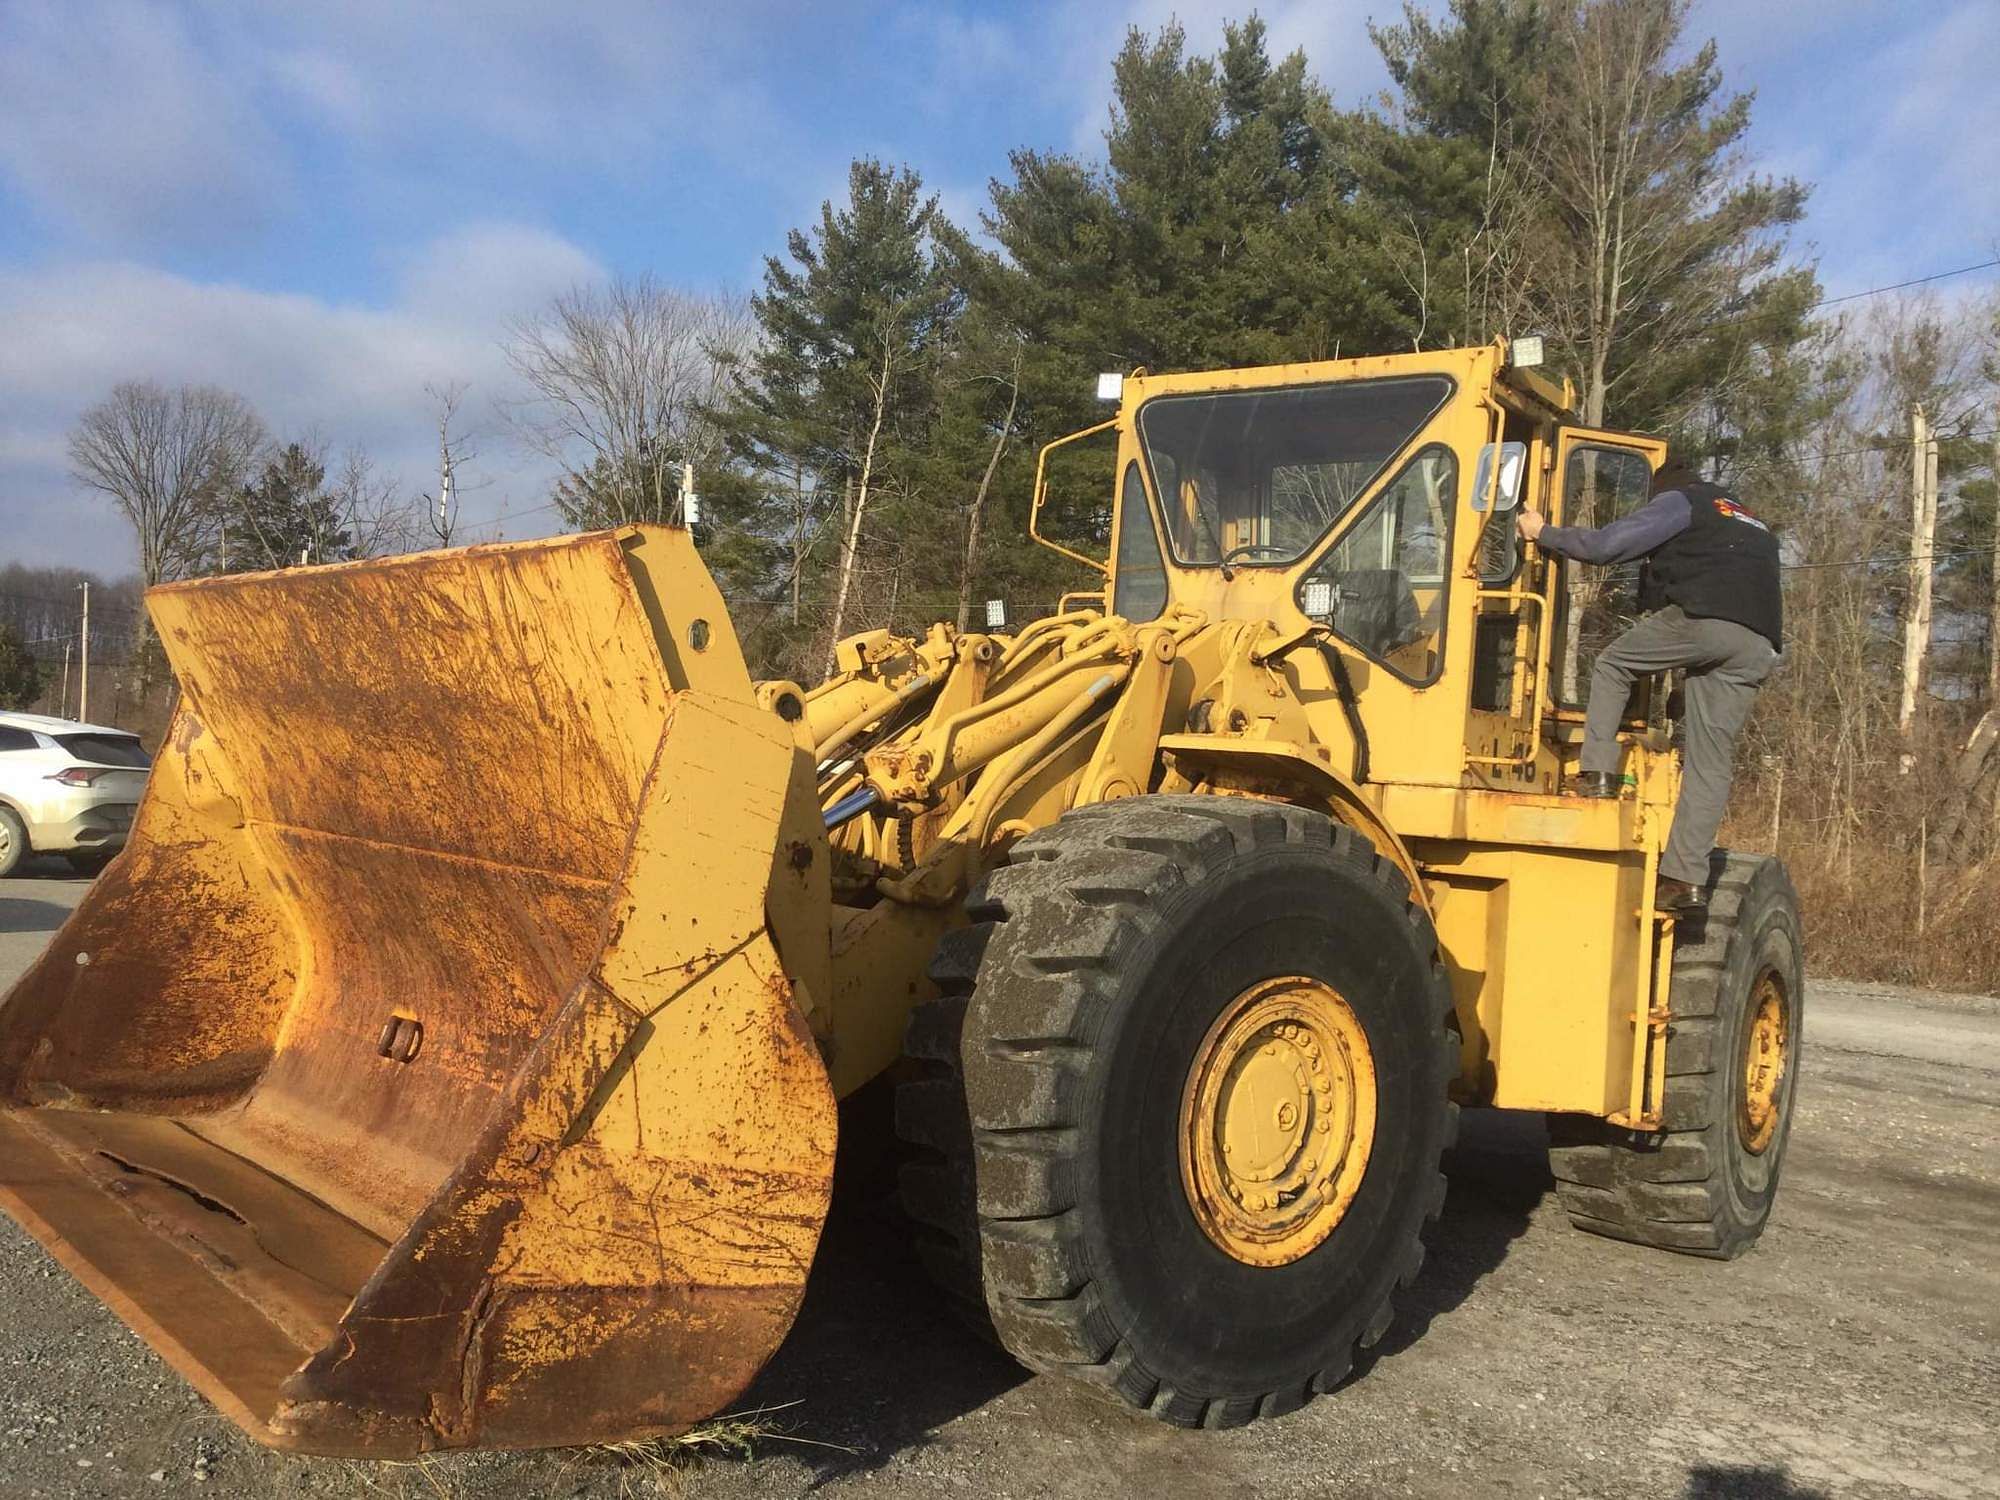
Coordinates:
[13,841]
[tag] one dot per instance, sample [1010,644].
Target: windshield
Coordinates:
[1256,477]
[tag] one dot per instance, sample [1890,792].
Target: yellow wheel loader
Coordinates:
[451,1058]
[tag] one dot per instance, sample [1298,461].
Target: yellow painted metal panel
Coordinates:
[1541,946]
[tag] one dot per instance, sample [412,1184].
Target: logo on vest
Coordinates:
[1729,510]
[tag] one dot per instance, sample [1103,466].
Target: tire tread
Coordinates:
[1013,1245]
[1665,1188]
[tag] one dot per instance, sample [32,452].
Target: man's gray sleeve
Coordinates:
[1666,516]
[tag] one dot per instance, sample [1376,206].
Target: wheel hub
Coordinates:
[1277,1120]
[1765,1046]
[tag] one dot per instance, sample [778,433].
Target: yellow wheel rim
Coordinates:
[1277,1120]
[1764,1051]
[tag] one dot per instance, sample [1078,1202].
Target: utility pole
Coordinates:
[62,709]
[83,684]
[1923,536]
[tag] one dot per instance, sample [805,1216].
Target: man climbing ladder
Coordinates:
[1710,593]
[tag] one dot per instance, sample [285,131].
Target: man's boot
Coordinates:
[1678,898]
[1597,784]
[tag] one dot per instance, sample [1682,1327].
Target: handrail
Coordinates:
[1540,658]
[1041,485]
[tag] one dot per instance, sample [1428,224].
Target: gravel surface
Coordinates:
[1855,1352]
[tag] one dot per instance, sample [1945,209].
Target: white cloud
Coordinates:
[350,373]
[471,271]
[118,125]
[142,126]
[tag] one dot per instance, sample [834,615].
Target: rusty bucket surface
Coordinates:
[425,1073]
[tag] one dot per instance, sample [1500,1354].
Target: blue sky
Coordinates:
[325,206]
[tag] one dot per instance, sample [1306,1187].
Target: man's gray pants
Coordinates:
[1725,664]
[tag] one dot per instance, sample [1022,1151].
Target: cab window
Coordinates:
[1600,484]
[1139,587]
[1255,478]
[1383,586]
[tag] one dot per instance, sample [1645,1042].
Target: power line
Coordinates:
[1751,315]
[500,522]
[60,603]
[1889,560]
[1876,291]
[1886,446]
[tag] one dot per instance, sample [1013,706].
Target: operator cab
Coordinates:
[1259,480]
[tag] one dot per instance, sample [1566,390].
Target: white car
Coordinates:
[66,788]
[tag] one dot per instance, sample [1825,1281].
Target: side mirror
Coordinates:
[1513,464]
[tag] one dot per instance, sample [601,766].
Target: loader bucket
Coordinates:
[425,1073]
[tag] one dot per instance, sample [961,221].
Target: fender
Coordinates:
[1290,772]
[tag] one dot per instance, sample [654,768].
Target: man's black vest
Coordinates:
[1723,567]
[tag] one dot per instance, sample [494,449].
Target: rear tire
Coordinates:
[1704,1185]
[1054,1076]
[13,841]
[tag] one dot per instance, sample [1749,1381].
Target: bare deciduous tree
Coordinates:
[1652,230]
[623,379]
[166,458]
[882,378]
[373,510]
[455,455]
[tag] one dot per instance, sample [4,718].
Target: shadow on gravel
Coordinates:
[53,868]
[1746,1482]
[18,915]
[1498,1175]
[878,1359]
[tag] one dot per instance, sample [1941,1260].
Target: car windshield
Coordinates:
[1256,477]
[104,749]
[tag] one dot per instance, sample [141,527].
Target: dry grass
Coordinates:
[1879,920]
[663,1466]
[1886,909]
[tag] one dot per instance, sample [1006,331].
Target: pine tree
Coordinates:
[1578,148]
[1211,237]
[286,515]
[827,410]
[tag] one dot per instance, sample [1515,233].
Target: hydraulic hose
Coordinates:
[1350,706]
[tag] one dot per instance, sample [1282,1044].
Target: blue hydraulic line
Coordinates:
[852,806]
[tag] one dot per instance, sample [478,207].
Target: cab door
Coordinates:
[1596,478]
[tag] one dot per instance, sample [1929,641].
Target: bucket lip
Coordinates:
[227,1396]
[565,540]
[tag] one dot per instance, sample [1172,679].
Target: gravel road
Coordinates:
[1855,1352]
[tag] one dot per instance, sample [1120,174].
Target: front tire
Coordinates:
[1705,1183]
[1172,1028]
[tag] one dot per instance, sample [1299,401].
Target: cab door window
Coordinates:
[1139,582]
[1600,485]
[1384,585]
